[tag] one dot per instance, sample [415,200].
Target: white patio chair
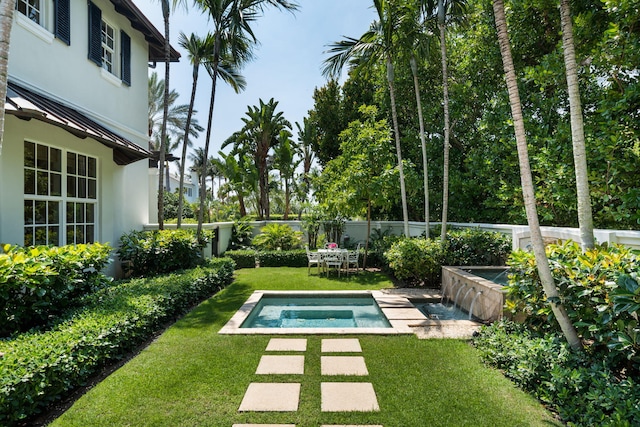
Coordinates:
[333,260]
[353,258]
[313,258]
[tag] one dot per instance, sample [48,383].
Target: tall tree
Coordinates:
[585,217]
[262,127]
[284,161]
[374,46]
[7,8]
[199,50]
[528,191]
[233,41]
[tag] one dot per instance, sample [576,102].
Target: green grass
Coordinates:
[191,376]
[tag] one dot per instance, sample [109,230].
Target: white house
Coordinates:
[74,162]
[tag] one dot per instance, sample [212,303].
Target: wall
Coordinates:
[39,60]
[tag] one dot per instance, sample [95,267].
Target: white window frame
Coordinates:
[110,66]
[42,28]
[87,201]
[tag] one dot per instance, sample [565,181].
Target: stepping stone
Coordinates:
[348,397]
[287,344]
[271,397]
[281,365]
[265,425]
[403,314]
[341,345]
[343,365]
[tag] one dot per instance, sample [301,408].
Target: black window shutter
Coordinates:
[95,34]
[125,58]
[62,21]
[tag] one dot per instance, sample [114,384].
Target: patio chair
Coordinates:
[353,258]
[313,258]
[333,260]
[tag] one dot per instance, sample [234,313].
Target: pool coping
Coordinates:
[395,303]
[388,303]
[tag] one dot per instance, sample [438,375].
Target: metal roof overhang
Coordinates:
[26,104]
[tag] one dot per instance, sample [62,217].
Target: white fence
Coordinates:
[356,231]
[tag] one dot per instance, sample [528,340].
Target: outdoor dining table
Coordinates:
[328,254]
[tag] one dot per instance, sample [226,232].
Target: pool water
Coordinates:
[497,275]
[316,312]
[439,311]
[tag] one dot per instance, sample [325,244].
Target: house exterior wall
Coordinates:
[65,72]
[42,63]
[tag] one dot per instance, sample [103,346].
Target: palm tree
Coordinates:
[374,46]
[585,217]
[284,161]
[177,118]
[307,137]
[441,10]
[6,20]
[528,192]
[262,127]
[199,50]
[233,38]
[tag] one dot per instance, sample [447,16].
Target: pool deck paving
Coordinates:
[335,396]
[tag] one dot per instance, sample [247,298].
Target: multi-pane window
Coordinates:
[32,9]
[60,193]
[108,46]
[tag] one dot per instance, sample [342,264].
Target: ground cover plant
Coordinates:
[41,367]
[192,376]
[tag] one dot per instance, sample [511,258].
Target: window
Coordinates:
[52,15]
[60,196]
[31,9]
[104,49]
[108,46]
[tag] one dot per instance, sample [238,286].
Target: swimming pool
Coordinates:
[323,312]
[328,311]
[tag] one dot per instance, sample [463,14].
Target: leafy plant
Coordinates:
[417,261]
[241,234]
[275,236]
[145,253]
[245,258]
[598,289]
[38,283]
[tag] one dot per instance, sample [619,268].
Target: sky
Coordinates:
[287,64]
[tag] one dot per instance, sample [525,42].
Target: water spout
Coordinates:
[444,293]
[473,301]
[455,301]
[464,298]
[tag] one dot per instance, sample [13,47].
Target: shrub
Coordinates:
[419,261]
[580,386]
[241,234]
[599,290]
[37,369]
[293,258]
[416,261]
[276,236]
[147,253]
[379,243]
[38,283]
[243,258]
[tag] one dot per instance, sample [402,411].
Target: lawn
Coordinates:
[191,376]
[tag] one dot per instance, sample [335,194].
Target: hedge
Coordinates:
[39,368]
[38,283]
[247,258]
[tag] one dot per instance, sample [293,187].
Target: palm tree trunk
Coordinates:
[6,21]
[396,132]
[167,175]
[445,99]
[585,218]
[414,70]
[185,143]
[528,191]
[287,196]
[165,113]
[366,242]
[203,177]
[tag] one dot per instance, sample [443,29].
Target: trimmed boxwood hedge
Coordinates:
[247,258]
[39,368]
